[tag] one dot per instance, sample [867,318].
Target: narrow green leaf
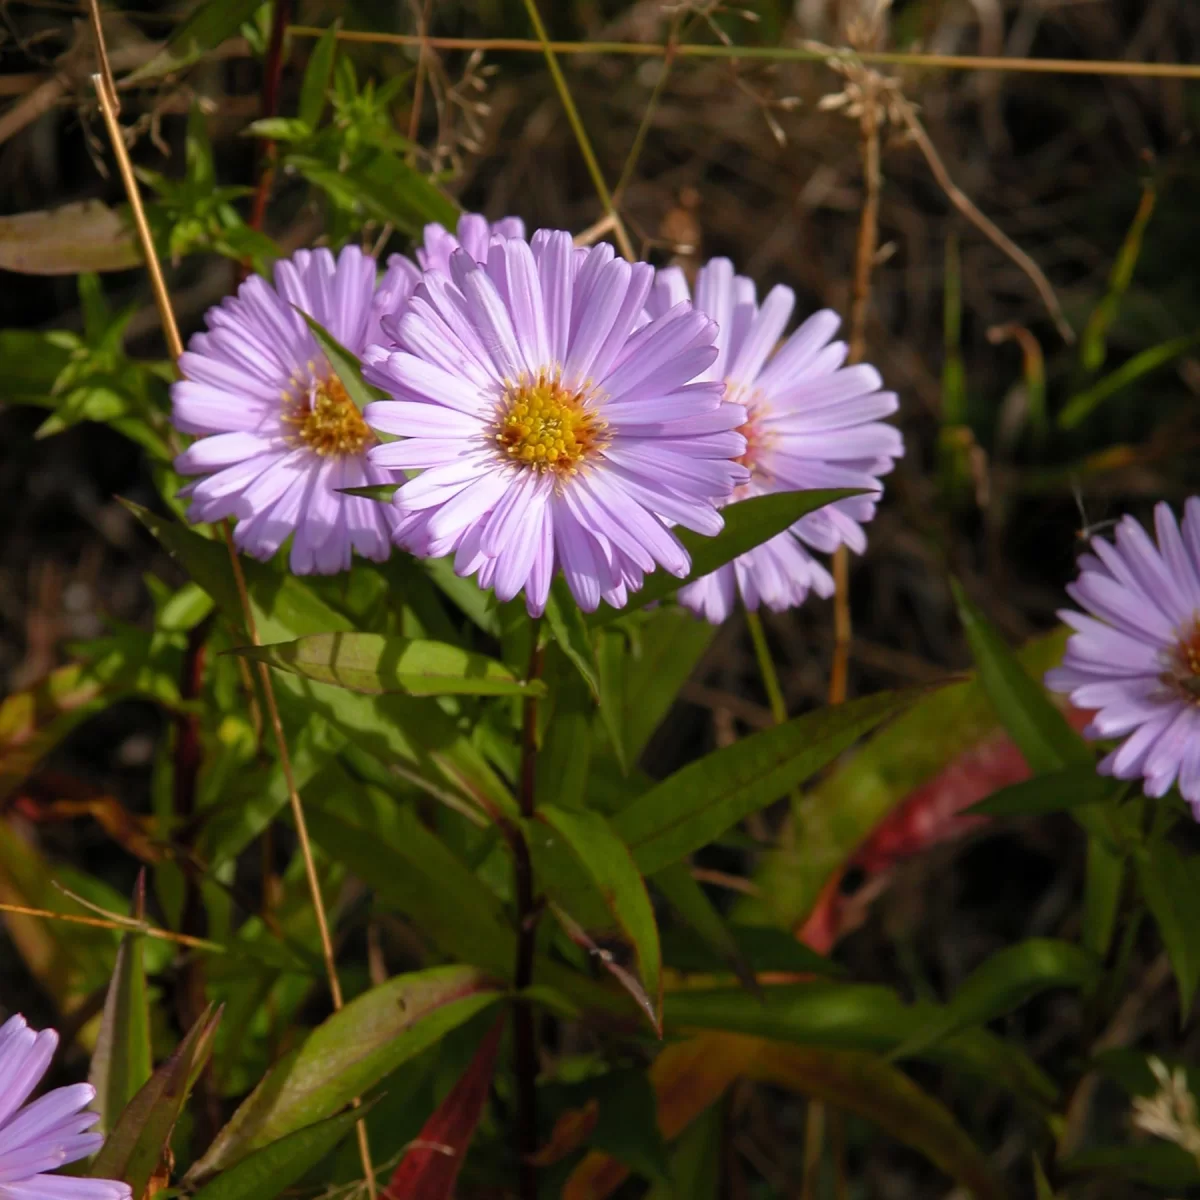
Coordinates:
[373,491]
[702,800]
[378,665]
[465,594]
[317,76]
[687,898]
[271,1170]
[854,1017]
[1052,792]
[209,25]
[1034,723]
[748,523]
[566,623]
[1093,348]
[1080,406]
[122,1061]
[612,656]
[1103,882]
[349,1053]
[345,364]
[562,762]
[1005,981]
[861,1084]
[759,947]
[1168,882]
[607,861]
[143,1131]
[279,129]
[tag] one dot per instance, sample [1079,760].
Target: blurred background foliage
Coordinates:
[1019,443]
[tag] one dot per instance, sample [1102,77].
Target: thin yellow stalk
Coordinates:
[115,921]
[585,145]
[106,94]
[930,62]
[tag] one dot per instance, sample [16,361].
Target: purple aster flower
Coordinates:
[1136,658]
[554,427]
[283,436]
[44,1135]
[810,423]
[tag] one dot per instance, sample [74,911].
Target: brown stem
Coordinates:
[524,1031]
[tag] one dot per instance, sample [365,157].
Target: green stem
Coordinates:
[766,667]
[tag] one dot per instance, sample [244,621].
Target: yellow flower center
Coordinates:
[326,420]
[1183,671]
[545,425]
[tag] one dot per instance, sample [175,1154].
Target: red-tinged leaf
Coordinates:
[430,1167]
[931,814]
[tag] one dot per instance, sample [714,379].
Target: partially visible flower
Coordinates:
[1136,658]
[283,434]
[42,1136]
[810,423]
[553,427]
[1171,1112]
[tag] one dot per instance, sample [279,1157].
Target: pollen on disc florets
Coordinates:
[758,437]
[543,424]
[1183,668]
[323,418]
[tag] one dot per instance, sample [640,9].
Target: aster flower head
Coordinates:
[280,434]
[38,1138]
[553,425]
[811,422]
[1134,657]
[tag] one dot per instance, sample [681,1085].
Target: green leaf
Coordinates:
[702,800]
[1161,1165]
[385,187]
[1168,882]
[606,861]
[611,656]
[279,129]
[373,491]
[209,25]
[345,364]
[748,523]
[1005,981]
[837,815]
[566,623]
[759,949]
[346,1055]
[377,665]
[687,898]
[854,1017]
[1103,880]
[318,75]
[1039,728]
[1093,347]
[883,1095]
[271,1170]
[695,1166]
[122,1061]
[1052,792]
[142,1132]
[565,755]
[1080,406]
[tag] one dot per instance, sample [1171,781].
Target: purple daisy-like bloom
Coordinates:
[42,1136]
[1136,659]
[281,434]
[553,425]
[811,422]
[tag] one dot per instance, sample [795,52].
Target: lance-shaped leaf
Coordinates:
[142,1132]
[317,76]
[383,492]
[707,797]
[1168,882]
[863,1085]
[122,1062]
[345,365]
[430,1168]
[348,1054]
[1005,981]
[209,25]
[590,844]
[566,623]
[378,665]
[1051,792]
[271,1170]
[1035,724]
[748,523]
